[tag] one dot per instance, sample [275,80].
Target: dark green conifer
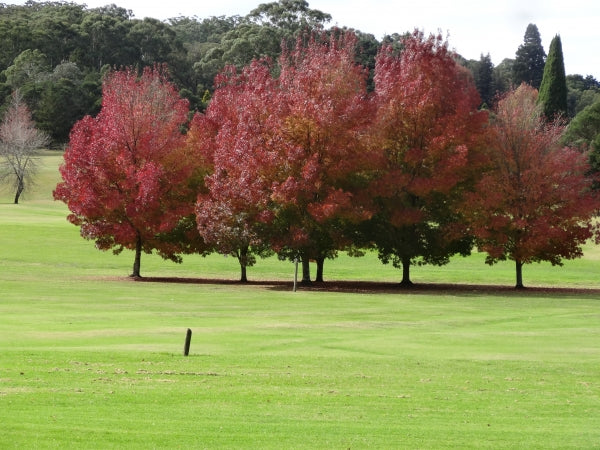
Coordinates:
[530,59]
[484,79]
[553,90]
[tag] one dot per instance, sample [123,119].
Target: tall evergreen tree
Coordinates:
[484,79]
[530,59]
[553,90]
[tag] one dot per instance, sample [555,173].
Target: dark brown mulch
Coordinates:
[368,287]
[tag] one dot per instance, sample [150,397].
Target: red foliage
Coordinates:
[535,204]
[287,151]
[326,125]
[325,162]
[126,172]
[428,125]
[429,133]
[233,210]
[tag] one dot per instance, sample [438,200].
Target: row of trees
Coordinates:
[302,158]
[56,54]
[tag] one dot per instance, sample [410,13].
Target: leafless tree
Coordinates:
[19,141]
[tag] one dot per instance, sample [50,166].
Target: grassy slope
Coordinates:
[89,359]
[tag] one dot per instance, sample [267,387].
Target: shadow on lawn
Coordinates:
[371,287]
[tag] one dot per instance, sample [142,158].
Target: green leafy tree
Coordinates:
[583,132]
[553,90]
[63,99]
[104,35]
[584,129]
[290,16]
[503,76]
[239,46]
[581,92]
[30,66]
[15,33]
[202,43]
[258,35]
[54,29]
[154,41]
[530,59]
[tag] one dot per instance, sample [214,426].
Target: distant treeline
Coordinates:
[56,53]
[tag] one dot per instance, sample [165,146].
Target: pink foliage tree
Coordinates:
[234,213]
[428,130]
[126,173]
[325,163]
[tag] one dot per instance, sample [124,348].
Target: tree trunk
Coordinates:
[243,259]
[519,267]
[320,264]
[243,274]
[138,258]
[20,189]
[406,273]
[305,270]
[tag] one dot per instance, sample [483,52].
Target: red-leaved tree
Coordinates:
[535,203]
[428,129]
[127,175]
[325,161]
[234,214]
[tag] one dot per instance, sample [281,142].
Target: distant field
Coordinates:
[91,359]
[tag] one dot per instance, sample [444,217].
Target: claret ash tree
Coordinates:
[428,131]
[325,160]
[289,151]
[126,173]
[238,131]
[535,203]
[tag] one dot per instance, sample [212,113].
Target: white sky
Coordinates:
[473,27]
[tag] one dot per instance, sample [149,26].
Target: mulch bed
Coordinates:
[369,287]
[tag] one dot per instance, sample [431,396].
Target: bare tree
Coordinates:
[19,140]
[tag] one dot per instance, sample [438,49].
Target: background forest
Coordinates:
[56,53]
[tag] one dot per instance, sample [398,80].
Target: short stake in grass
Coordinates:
[188,341]
[295,274]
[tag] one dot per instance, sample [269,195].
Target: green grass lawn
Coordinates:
[91,359]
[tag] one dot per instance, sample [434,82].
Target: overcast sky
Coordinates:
[473,27]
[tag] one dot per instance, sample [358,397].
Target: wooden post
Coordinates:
[296,274]
[188,340]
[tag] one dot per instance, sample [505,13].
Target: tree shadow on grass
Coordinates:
[382,287]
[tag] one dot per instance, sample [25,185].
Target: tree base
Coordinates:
[406,284]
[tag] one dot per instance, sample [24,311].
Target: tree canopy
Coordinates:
[553,90]
[302,158]
[530,59]
[38,37]
[427,127]
[126,175]
[535,202]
